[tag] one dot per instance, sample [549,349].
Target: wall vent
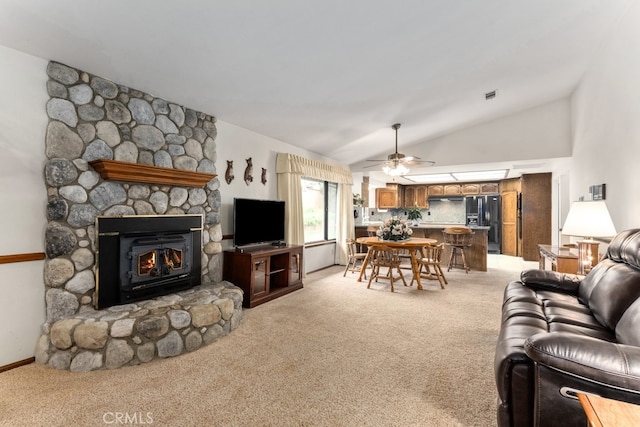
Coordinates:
[490,95]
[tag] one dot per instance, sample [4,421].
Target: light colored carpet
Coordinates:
[331,354]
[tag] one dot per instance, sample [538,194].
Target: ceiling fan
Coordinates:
[396,163]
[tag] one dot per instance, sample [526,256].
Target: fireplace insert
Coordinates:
[141,257]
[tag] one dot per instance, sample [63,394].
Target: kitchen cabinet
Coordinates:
[436,190]
[409,196]
[415,195]
[422,199]
[470,189]
[465,189]
[390,197]
[489,188]
[452,190]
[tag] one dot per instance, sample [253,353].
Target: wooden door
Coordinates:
[510,223]
[536,213]
[421,196]
[409,196]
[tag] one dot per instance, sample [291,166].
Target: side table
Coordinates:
[562,260]
[603,412]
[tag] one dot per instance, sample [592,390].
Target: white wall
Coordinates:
[606,124]
[536,133]
[23,124]
[540,132]
[237,144]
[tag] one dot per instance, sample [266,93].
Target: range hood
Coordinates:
[446,198]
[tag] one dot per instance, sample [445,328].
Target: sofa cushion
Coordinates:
[551,280]
[627,329]
[516,291]
[614,292]
[571,316]
[585,331]
[625,247]
[592,280]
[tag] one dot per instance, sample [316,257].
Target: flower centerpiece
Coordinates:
[394,229]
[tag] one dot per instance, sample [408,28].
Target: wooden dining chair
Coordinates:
[384,257]
[356,258]
[372,230]
[429,264]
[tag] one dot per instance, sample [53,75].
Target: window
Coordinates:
[320,209]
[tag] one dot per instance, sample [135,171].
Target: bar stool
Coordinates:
[457,238]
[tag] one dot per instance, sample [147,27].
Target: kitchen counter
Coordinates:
[443,226]
[476,254]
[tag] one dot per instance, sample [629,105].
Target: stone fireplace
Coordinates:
[116,154]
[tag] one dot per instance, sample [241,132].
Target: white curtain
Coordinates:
[290,169]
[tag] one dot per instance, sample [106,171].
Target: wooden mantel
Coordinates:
[136,172]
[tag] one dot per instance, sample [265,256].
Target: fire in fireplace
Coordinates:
[141,257]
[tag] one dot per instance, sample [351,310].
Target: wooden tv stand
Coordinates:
[264,273]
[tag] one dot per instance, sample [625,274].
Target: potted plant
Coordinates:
[414,214]
[357,200]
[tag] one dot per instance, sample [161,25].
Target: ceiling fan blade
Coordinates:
[424,162]
[374,160]
[377,164]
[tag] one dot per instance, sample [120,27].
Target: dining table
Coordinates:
[412,245]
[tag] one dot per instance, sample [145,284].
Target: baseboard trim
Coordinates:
[17,364]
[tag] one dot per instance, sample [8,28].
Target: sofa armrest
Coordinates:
[593,359]
[551,280]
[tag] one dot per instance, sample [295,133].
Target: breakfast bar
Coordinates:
[476,254]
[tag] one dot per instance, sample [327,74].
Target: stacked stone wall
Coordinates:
[93,118]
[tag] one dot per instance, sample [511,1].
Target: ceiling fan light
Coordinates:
[396,170]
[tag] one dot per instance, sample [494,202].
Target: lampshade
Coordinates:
[589,219]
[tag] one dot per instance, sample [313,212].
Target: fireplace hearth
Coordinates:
[141,257]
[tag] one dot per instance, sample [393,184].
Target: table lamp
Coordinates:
[588,219]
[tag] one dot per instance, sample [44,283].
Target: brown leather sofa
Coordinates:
[562,334]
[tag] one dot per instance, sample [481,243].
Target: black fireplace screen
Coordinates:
[143,257]
[150,264]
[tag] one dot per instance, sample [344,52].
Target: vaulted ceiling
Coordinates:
[329,76]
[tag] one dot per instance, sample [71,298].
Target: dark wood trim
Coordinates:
[227,237]
[17,364]
[136,172]
[34,256]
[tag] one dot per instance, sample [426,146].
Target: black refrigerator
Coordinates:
[485,211]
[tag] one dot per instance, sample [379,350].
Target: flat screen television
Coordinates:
[257,221]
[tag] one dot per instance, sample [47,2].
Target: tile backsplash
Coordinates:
[440,212]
